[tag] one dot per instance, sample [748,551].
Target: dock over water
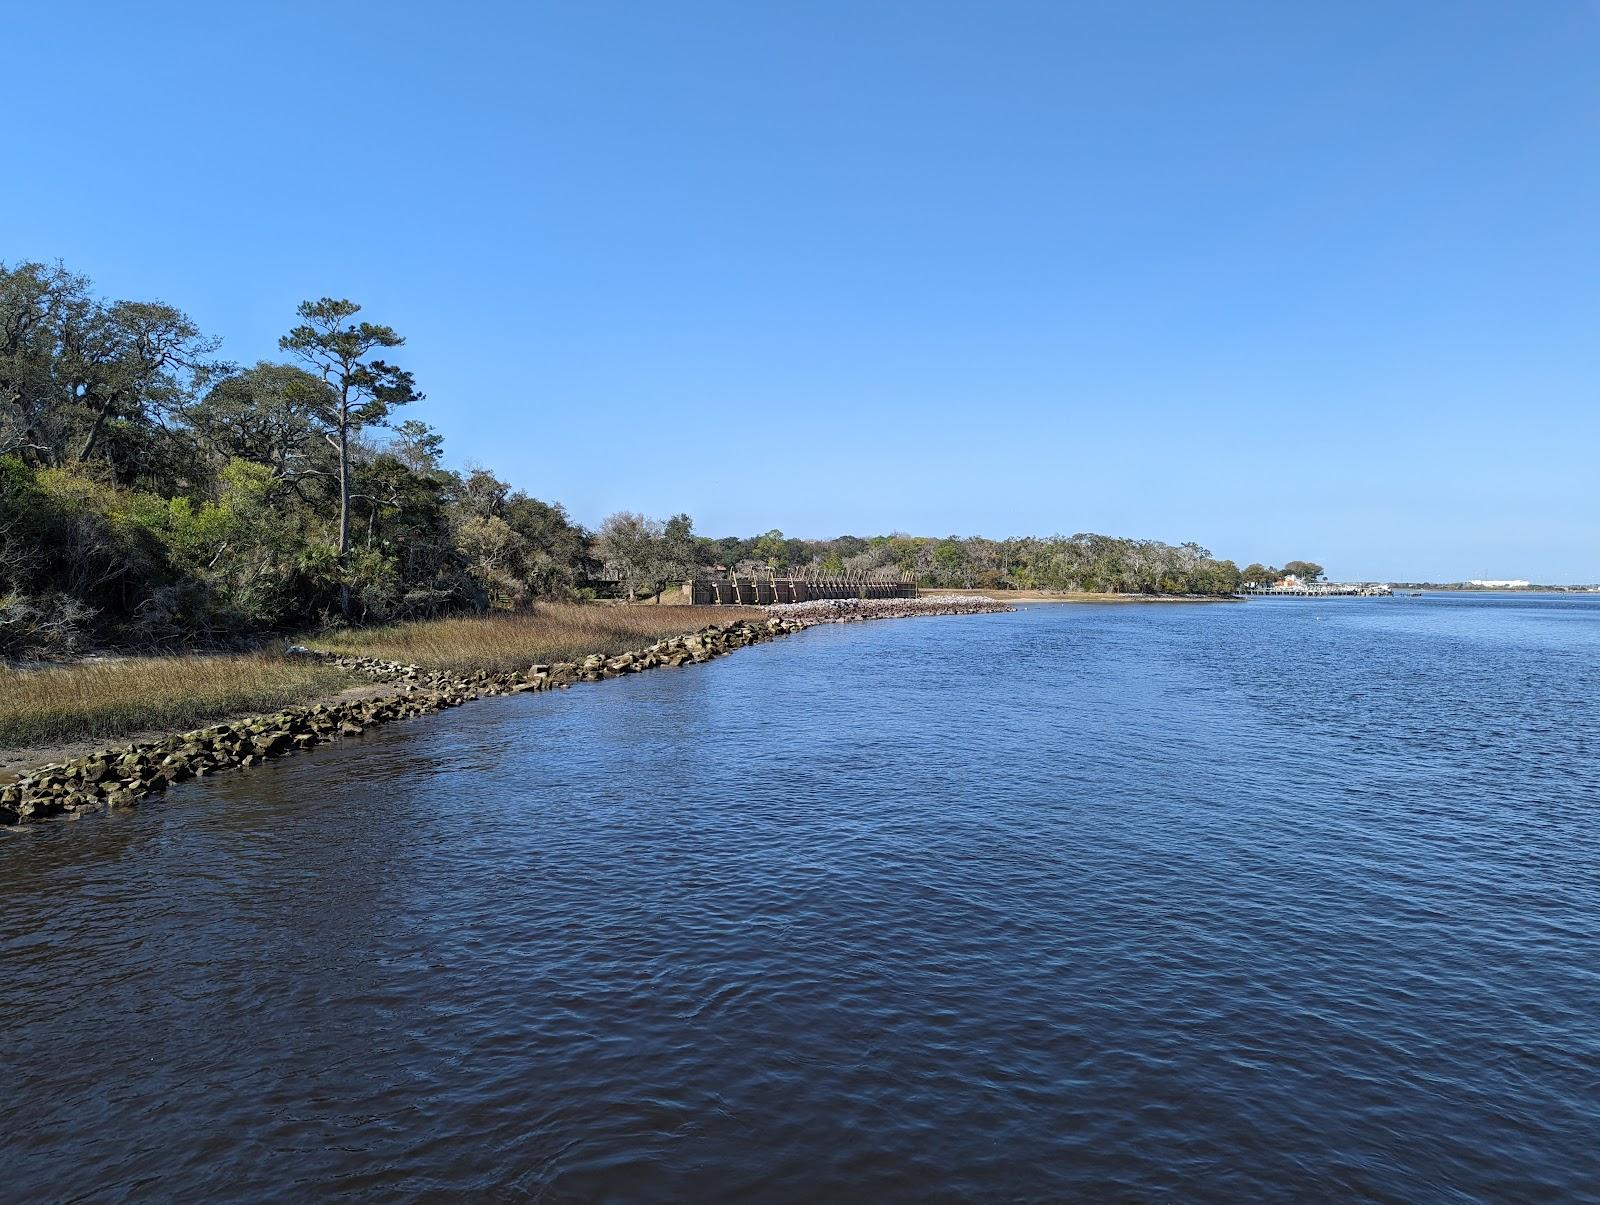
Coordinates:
[1322,590]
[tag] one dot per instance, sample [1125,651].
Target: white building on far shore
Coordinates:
[1509,583]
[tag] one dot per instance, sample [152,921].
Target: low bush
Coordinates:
[47,626]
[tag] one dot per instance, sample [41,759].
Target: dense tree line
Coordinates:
[151,493]
[1094,563]
[1257,574]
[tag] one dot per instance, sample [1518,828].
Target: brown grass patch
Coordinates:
[110,699]
[548,632]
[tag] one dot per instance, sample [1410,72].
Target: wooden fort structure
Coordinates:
[761,589]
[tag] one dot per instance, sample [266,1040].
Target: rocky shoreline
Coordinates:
[121,777]
[855,610]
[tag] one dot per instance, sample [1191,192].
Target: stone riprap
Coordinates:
[122,776]
[850,610]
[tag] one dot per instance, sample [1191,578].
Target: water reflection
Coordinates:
[1291,898]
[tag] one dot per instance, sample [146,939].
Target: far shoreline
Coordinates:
[1085,596]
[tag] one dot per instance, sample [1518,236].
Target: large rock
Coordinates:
[120,777]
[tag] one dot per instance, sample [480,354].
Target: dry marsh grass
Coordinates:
[549,632]
[111,699]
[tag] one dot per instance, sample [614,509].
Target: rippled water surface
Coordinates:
[1292,898]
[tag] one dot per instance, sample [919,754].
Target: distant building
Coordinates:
[1510,583]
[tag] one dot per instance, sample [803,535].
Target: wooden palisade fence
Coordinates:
[760,590]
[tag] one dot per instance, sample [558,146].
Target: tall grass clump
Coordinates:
[112,699]
[548,632]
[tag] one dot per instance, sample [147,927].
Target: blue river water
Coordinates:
[1289,899]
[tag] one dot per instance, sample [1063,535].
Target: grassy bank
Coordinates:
[48,709]
[105,700]
[505,642]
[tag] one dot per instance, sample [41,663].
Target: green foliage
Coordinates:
[152,497]
[417,446]
[88,381]
[647,554]
[1266,575]
[361,390]
[1086,562]
[770,550]
[268,415]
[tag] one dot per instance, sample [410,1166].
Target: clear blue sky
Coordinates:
[1290,279]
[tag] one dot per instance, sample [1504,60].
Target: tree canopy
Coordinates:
[648,554]
[1086,562]
[154,494]
[361,389]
